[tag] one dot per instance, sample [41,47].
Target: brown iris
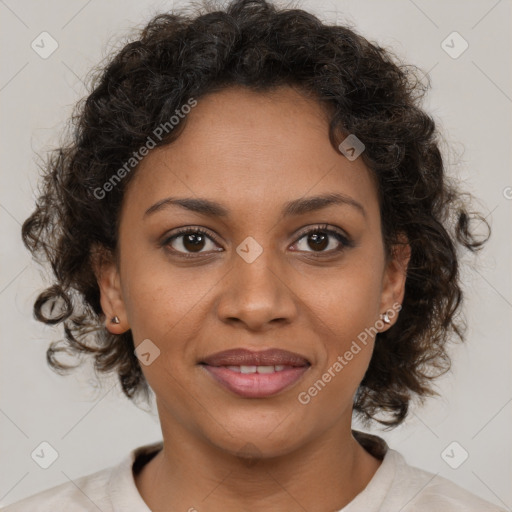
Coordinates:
[320,240]
[192,242]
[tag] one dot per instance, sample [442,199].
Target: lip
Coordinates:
[245,357]
[256,385]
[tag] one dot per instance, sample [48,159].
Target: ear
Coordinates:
[393,282]
[109,281]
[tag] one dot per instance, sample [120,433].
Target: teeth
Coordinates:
[266,369]
[256,369]
[247,369]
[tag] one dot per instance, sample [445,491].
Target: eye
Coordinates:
[191,241]
[321,239]
[188,241]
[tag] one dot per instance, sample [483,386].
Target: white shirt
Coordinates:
[395,487]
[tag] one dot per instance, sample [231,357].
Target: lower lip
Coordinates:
[256,385]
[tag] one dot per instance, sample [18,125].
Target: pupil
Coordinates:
[320,241]
[194,239]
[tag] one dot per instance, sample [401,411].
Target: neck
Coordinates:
[324,475]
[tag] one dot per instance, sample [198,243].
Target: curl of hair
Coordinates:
[253,44]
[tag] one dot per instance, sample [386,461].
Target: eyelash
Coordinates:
[343,239]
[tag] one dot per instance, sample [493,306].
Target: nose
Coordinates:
[256,295]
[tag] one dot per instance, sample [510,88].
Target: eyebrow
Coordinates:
[296,207]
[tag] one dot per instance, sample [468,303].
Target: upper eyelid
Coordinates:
[303,232]
[320,227]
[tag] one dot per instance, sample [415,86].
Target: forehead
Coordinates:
[251,149]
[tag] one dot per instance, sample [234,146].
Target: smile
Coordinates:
[258,369]
[255,374]
[254,381]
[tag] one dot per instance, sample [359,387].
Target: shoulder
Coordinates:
[107,490]
[418,490]
[82,494]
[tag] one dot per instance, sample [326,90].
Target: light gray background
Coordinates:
[94,427]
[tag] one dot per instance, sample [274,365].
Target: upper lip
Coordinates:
[245,357]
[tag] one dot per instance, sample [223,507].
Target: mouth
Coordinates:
[256,374]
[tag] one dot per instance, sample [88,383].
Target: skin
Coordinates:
[252,152]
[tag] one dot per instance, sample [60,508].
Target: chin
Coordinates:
[259,435]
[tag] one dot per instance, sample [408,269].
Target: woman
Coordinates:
[252,221]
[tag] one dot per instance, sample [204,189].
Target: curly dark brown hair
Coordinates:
[365,89]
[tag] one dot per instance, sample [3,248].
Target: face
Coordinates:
[265,267]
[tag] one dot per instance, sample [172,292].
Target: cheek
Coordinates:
[346,310]
[348,300]
[165,307]
[168,305]
[160,297]
[346,313]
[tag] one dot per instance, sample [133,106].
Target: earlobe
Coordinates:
[393,286]
[111,297]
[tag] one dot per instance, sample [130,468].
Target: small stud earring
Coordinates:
[385,318]
[115,320]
